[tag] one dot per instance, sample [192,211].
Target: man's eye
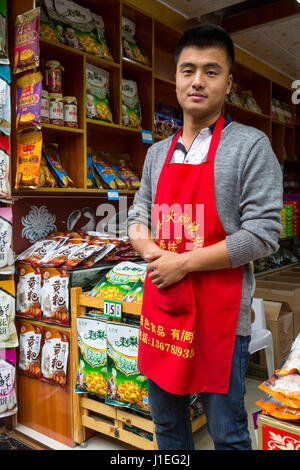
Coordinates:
[211,72]
[187,72]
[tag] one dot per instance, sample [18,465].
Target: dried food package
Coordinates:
[46,28]
[46,179]
[36,252]
[104,46]
[29,96]
[3,35]
[8,332]
[55,295]
[97,94]
[285,388]
[292,364]
[30,338]
[124,168]
[91,368]
[5,190]
[28,295]
[29,153]
[54,358]
[131,49]
[90,172]
[8,398]
[6,253]
[108,173]
[59,256]
[275,408]
[27,48]
[55,21]
[131,108]
[249,101]
[234,97]
[5,104]
[52,157]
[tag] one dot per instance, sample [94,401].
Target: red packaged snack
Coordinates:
[55,295]
[55,353]
[30,337]
[28,291]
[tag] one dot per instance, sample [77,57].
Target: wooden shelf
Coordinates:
[62,129]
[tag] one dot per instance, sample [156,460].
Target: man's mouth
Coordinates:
[197,96]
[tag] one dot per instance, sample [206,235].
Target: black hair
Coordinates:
[206,35]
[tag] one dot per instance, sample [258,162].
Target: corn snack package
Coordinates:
[27,48]
[275,408]
[55,296]
[6,253]
[8,332]
[51,155]
[97,94]
[104,49]
[28,295]
[126,386]
[54,356]
[91,369]
[30,338]
[3,42]
[292,363]
[5,190]
[135,295]
[46,179]
[90,172]
[5,104]
[29,153]
[29,94]
[285,389]
[131,109]
[46,28]
[131,49]
[55,21]
[8,398]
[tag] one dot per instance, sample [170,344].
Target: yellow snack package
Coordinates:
[28,159]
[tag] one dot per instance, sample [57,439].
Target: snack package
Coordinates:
[30,337]
[234,97]
[8,332]
[46,28]
[46,179]
[91,369]
[52,157]
[249,102]
[131,109]
[118,282]
[286,389]
[84,252]
[292,363]
[108,173]
[126,386]
[27,50]
[123,165]
[5,191]
[5,106]
[131,50]
[167,120]
[59,256]
[55,21]
[275,408]
[29,95]
[55,295]
[97,94]
[54,359]
[103,44]
[135,295]
[90,172]
[6,254]
[3,36]
[8,398]
[36,252]
[29,153]
[28,298]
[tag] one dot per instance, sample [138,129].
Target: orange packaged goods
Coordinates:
[292,363]
[285,389]
[30,337]
[275,408]
[28,291]
[55,295]
[29,159]
[55,353]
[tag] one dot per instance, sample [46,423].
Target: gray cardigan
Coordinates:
[248,197]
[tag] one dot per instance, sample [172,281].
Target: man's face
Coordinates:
[202,80]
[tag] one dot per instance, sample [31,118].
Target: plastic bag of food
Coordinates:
[27,49]
[286,389]
[5,107]
[84,252]
[61,255]
[51,154]
[8,332]
[292,363]
[131,109]
[36,252]
[91,369]
[131,49]
[55,353]
[28,298]
[5,191]
[234,97]
[55,295]
[6,254]
[126,386]
[104,50]
[3,39]
[279,410]
[90,172]
[46,28]
[46,179]
[55,21]
[124,167]
[107,172]
[30,338]
[249,101]
[29,153]
[8,398]
[29,95]
[97,94]
[135,295]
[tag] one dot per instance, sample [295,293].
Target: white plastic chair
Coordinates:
[261,338]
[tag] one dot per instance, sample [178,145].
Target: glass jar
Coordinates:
[53,76]
[45,107]
[70,111]
[56,109]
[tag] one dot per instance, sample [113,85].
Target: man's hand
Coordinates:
[166,268]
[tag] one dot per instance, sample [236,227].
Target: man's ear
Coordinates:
[229,83]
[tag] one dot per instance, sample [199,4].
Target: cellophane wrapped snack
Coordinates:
[292,363]
[55,295]
[108,173]
[8,398]
[103,44]
[131,49]
[6,254]
[46,28]
[97,94]
[5,190]
[123,165]
[30,338]
[275,408]
[36,252]
[46,179]
[135,295]
[29,155]
[29,94]
[27,50]
[54,359]
[285,389]
[131,109]
[28,298]
[51,154]
[5,106]
[91,369]
[8,332]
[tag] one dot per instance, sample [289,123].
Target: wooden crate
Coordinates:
[91,414]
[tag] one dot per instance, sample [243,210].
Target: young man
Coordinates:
[214,195]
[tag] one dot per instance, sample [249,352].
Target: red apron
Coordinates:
[187,330]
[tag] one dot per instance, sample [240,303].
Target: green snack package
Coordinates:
[135,295]
[55,21]
[100,28]
[97,94]
[131,109]
[132,50]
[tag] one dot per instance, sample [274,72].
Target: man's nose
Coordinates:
[199,79]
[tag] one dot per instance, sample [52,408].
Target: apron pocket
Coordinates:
[175,299]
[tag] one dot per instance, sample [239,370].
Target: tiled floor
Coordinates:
[202,439]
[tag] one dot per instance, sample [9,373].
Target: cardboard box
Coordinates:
[274,434]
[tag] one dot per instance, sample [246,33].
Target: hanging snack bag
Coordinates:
[108,173]
[55,353]
[8,332]
[292,363]
[6,254]
[55,295]
[46,179]
[97,94]
[126,386]
[286,389]
[55,21]
[29,96]
[29,155]
[5,191]
[131,109]
[30,337]
[91,369]
[5,106]
[131,50]
[103,44]
[27,50]
[29,282]
[51,154]
[8,398]
[3,39]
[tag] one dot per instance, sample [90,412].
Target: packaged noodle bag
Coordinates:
[27,49]
[6,254]
[8,332]
[29,94]
[55,295]
[286,389]
[131,109]
[28,295]
[30,337]
[5,191]
[126,386]
[54,359]
[292,363]
[91,370]
[97,94]
[8,398]
[5,106]
[130,47]
[29,153]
